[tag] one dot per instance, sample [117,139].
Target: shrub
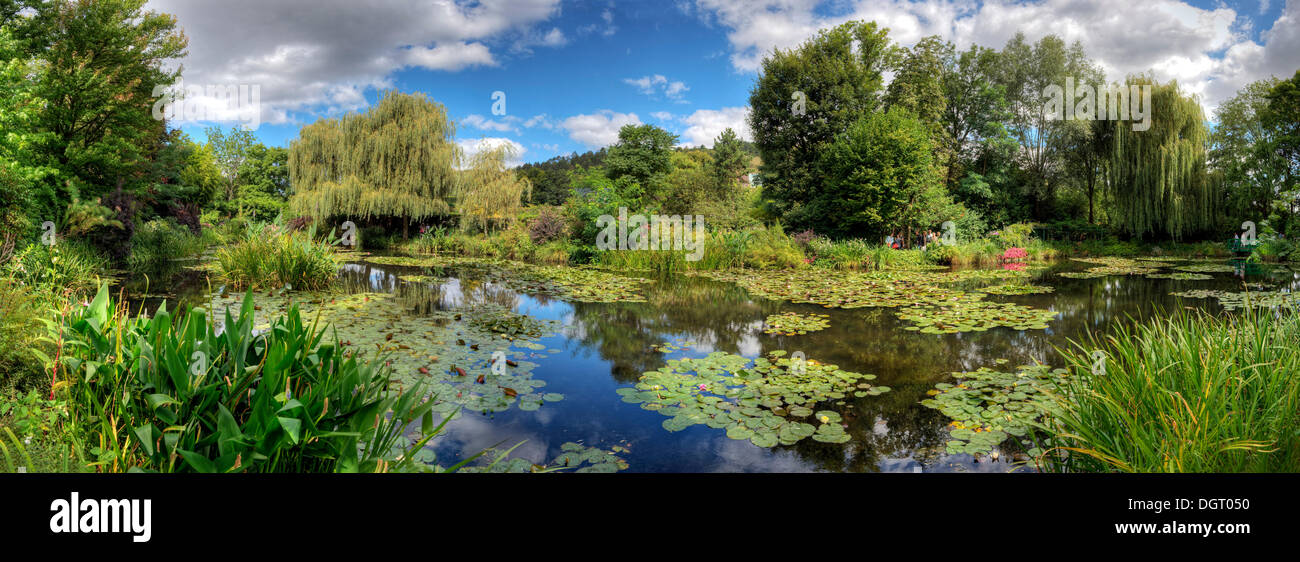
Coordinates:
[549,225]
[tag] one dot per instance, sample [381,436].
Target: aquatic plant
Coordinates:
[271,257]
[184,393]
[443,351]
[987,407]
[764,402]
[1189,393]
[1017,289]
[970,315]
[793,323]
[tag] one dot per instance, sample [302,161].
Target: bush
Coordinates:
[268,257]
[771,248]
[549,225]
[169,394]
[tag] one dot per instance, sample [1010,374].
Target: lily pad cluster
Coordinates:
[1113,266]
[841,289]
[987,406]
[1181,276]
[1207,268]
[574,457]
[972,315]
[584,284]
[1232,300]
[770,401]
[793,323]
[1017,289]
[510,324]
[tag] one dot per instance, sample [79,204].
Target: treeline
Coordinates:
[964,136]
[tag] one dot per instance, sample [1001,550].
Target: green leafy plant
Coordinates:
[175,393]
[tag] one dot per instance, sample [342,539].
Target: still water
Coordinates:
[604,347]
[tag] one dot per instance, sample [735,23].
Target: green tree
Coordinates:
[803,98]
[918,85]
[1158,176]
[879,178]
[398,160]
[1026,72]
[729,162]
[489,192]
[642,156]
[1283,118]
[264,181]
[104,59]
[231,151]
[184,173]
[25,198]
[1243,150]
[975,106]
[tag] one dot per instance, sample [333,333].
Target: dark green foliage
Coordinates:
[835,84]
[550,179]
[875,174]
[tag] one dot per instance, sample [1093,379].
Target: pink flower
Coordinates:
[1015,254]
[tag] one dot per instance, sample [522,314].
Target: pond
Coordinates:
[567,387]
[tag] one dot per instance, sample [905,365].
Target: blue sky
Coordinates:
[574,71]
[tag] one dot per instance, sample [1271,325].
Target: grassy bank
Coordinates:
[1190,393]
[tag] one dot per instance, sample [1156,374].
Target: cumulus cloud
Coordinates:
[598,129]
[1205,49]
[322,56]
[705,125]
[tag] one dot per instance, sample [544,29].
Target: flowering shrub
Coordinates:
[1014,253]
[549,225]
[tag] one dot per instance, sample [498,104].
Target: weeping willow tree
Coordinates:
[1158,179]
[396,161]
[490,193]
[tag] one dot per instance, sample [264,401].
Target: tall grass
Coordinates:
[1190,393]
[173,394]
[269,256]
[158,245]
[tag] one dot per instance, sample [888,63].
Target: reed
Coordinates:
[1189,393]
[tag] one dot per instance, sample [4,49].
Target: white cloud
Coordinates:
[1172,38]
[662,115]
[543,120]
[706,124]
[470,147]
[482,123]
[598,129]
[450,56]
[322,56]
[658,84]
